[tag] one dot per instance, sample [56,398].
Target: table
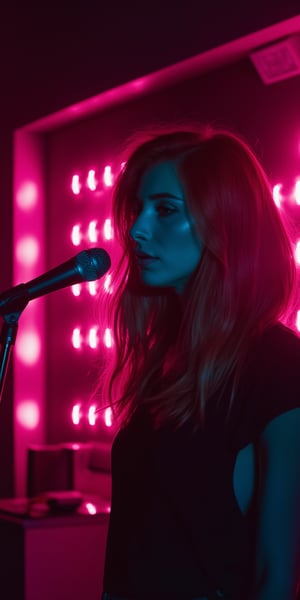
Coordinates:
[52,555]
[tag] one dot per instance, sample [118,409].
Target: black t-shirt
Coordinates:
[176,530]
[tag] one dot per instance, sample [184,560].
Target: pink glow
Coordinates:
[93,337]
[92,231]
[76,235]
[76,338]
[28,414]
[297,252]
[90,508]
[76,185]
[92,287]
[76,289]
[107,284]
[27,251]
[28,347]
[29,262]
[91,180]
[108,338]
[76,414]
[277,196]
[27,195]
[92,416]
[298,320]
[107,176]
[108,417]
[297,192]
[108,230]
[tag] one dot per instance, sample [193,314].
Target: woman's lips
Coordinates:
[146,260]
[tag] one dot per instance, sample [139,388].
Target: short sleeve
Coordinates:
[271,384]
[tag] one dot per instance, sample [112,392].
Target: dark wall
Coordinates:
[53,56]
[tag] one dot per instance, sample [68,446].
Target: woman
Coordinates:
[205,380]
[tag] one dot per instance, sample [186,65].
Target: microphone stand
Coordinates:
[8,336]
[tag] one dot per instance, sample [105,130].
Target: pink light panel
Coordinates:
[290,195]
[92,186]
[27,195]
[28,414]
[91,338]
[92,287]
[93,180]
[82,414]
[297,192]
[75,185]
[297,252]
[92,416]
[92,233]
[28,347]
[76,414]
[277,194]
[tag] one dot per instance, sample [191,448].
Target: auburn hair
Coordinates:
[172,356]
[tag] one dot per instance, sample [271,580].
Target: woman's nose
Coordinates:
[141,230]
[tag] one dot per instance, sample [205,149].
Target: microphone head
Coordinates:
[92,263]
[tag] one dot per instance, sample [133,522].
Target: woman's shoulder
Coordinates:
[271,382]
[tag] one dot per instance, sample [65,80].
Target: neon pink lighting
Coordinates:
[108,338]
[92,232]
[107,176]
[76,289]
[108,230]
[76,338]
[91,180]
[75,185]
[277,196]
[298,320]
[28,414]
[93,337]
[108,417]
[76,235]
[297,192]
[107,284]
[27,251]
[27,195]
[297,252]
[90,508]
[76,414]
[92,287]
[28,347]
[92,416]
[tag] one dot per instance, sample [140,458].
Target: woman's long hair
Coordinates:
[176,356]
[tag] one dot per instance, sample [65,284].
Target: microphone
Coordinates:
[88,265]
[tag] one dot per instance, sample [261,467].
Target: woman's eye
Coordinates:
[165,210]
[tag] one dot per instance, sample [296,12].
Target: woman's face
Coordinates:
[167,248]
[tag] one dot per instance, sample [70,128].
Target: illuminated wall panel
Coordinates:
[29,351]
